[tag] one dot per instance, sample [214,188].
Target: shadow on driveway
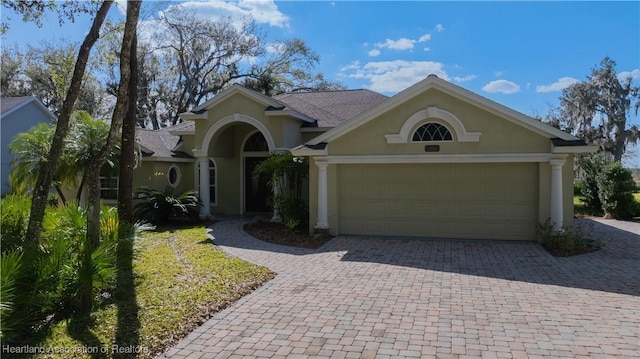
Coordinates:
[615,268]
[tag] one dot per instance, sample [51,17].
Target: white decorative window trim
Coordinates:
[438,132]
[178,175]
[407,129]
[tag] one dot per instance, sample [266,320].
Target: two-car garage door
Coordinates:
[479,200]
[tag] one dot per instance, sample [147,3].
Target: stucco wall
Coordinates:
[498,135]
[154,174]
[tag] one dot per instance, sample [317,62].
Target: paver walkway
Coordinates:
[362,297]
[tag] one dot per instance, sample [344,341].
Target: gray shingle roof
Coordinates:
[186,126]
[331,108]
[7,103]
[160,142]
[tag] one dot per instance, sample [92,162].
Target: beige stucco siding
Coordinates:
[498,135]
[228,186]
[153,174]
[483,200]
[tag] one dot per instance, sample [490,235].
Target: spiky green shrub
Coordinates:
[616,187]
[10,268]
[159,207]
[14,216]
[565,241]
[47,278]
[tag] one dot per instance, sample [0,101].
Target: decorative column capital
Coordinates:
[322,164]
[557,162]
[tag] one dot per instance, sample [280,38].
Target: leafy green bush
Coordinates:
[565,242]
[616,187]
[158,207]
[590,168]
[577,189]
[291,209]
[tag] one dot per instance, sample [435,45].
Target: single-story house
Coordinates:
[434,160]
[18,114]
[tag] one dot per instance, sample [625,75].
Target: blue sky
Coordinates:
[520,54]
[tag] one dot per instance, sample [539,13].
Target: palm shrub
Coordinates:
[10,269]
[616,187]
[58,269]
[14,216]
[158,207]
[287,174]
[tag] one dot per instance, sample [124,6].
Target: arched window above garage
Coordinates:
[430,132]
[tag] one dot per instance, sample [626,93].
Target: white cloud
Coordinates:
[498,73]
[394,76]
[634,74]
[501,86]
[374,52]
[427,49]
[400,44]
[352,66]
[262,11]
[121,5]
[424,38]
[559,85]
[464,78]
[439,28]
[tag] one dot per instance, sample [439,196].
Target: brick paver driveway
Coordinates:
[373,297]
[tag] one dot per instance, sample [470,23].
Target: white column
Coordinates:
[556,193]
[205,210]
[323,222]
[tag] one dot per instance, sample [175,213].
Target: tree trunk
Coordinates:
[127,147]
[620,139]
[93,220]
[93,174]
[46,169]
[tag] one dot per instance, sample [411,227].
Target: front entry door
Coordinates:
[256,190]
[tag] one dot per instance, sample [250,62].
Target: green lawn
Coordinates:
[180,279]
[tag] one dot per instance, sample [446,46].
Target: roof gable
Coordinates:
[433,82]
[233,90]
[9,105]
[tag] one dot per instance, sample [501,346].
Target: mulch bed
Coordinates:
[277,233]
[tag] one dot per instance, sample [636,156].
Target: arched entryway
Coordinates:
[235,144]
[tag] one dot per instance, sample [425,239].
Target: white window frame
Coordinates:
[117,185]
[431,141]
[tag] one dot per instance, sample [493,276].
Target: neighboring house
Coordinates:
[434,160]
[18,114]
